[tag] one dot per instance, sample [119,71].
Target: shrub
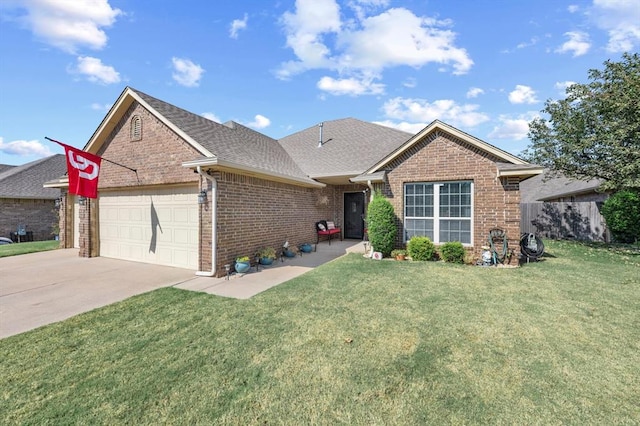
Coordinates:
[621,211]
[452,252]
[421,248]
[398,252]
[381,224]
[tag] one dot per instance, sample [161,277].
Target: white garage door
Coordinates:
[158,225]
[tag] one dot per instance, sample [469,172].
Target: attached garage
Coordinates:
[153,225]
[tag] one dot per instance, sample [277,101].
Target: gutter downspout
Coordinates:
[214,215]
[370,185]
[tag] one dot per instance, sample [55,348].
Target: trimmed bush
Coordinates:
[452,252]
[381,224]
[421,248]
[621,211]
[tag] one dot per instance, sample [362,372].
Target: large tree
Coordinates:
[595,131]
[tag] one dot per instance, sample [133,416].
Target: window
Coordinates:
[136,128]
[441,211]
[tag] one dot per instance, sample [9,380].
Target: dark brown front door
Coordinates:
[353,215]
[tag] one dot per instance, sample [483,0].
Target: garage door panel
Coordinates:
[154,226]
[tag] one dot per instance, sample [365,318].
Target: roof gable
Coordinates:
[436,126]
[231,144]
[27,180]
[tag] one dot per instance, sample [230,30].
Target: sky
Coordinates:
[485,67]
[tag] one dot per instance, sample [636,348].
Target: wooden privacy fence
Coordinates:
[579,220]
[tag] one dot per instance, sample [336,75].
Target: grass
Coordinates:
[352,342]
[30,247]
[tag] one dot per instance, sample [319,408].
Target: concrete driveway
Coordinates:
[46,287]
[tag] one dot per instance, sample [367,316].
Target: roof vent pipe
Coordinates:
[320,137]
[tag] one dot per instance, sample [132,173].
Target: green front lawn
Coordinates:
[24,248]
[352,342]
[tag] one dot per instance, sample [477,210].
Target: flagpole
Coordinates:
[103,159]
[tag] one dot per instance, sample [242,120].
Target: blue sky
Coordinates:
[483,66]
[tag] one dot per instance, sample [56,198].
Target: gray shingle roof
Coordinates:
[546,187]
[231,142]
[350,146]
[26,181]
[5,167]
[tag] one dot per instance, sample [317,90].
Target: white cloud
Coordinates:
[69,25]
[474,92]
[211,116]
[573,8]
[562,86]
[621,19]
[96,71]
[305,29]
[350,86]
[578,43]
[101,107]
[410,83]
[423,111]
[237,25]
[260,122]
[367,44]
[532,42]
[523,95]
[397,37]
[412,128]
[515,128]
[186,73]
[24,148]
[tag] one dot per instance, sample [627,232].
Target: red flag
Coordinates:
[83,169]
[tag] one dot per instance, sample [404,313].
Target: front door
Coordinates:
[354,215]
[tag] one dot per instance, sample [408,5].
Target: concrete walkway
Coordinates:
[244,286]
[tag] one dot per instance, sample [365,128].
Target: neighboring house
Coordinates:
[555,206]
[257,191]
[24,200]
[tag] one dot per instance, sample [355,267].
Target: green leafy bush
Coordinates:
[621,211]
[452,252]
[421,248]
[381,224]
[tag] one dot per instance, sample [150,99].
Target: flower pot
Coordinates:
[306,248]
[242,267]
[266,261]
[288,253]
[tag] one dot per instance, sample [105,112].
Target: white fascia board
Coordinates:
[215,163]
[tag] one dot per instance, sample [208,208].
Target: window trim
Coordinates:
[436,210]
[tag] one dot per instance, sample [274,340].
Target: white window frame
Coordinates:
[436,210]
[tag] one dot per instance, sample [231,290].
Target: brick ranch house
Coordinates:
[260,191]
[25,202]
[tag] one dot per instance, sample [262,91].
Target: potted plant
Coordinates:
[399,254]
[242,264]
[290,251]
[306,248]
[266,255]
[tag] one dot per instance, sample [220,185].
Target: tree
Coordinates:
[381,224]
[595,131]
[621,211]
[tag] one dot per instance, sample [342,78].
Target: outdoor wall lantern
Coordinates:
[82,201]
[57,202]
[202,197]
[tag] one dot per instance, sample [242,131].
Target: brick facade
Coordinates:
[253,213]
[38,216]
[440,157]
